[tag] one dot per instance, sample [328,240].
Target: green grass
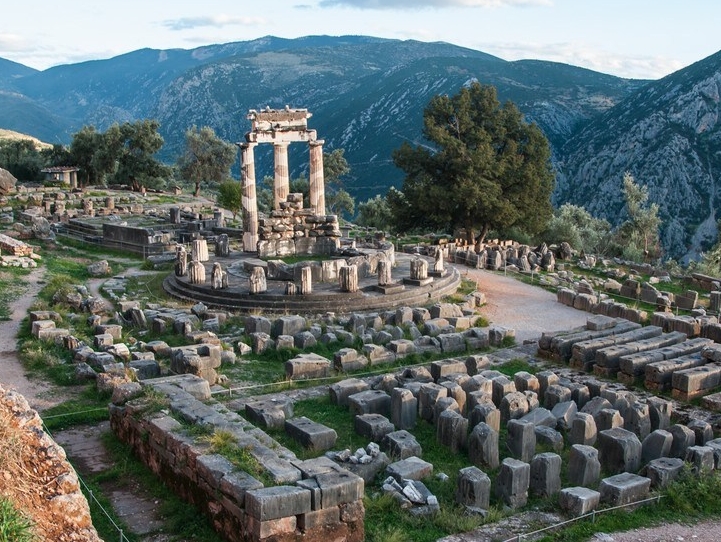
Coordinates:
[12,286]
[14,525]
[149,287]
[89,407]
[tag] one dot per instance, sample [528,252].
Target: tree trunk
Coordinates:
[482,236]
[196,194]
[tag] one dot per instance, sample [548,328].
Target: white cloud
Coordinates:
[414,4]
[13,42]
[585,56]
[217,21]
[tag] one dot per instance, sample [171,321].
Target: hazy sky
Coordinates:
[628,38]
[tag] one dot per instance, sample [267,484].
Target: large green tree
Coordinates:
[639,234]
[484,168]
[206,157]
[136,147]
[337,199]
[230,196]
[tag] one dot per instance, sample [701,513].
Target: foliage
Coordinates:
[375,213]
[206,157]
[14,525]
[230,196]
[125,154]
[22,159]
[575,225]
[88,407]
[639,234]
[338,200]
[486,169]
[710,261]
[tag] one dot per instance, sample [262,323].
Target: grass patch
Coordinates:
[514,366]
[13,285]
[14,525]
[89,407]
[224,443]
[149,287]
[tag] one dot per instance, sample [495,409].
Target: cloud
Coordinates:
[216,21]
[414,4]
[586,56]
[13,42]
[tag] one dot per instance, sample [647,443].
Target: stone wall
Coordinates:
[293,230]
[311,504]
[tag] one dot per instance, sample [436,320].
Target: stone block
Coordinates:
[564,413]
[338,488]
[341,391]
[578,501]
[501,387]
[660,411]
[411,468]
[583,429]
[663,471]
[404,408]
[370,402]
[311,435]
[548,438]
[545,478]
[277,502]
[540,417]
[512,482]
[624,488]
[656,445]
[486,413]
[270,413]
[401,445]
[702,429]
[473,488]
[521,440]
[288,325]
[525,381]
[584,468]
[619,450]
[374,427]
[452,431]
[428,395]
[638,420]
[307,365]
[443,368]
[683,439]
[701,458]
[483,446]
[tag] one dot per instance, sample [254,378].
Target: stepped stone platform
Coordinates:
[325,296]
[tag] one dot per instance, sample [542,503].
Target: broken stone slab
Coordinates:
[564,414]
[311,435]
[540,417]
[660,411]
[411,468]
[513,406]
[683,439]
[638,420]
[452,431]
[578,501]
[428,395]
[624,488]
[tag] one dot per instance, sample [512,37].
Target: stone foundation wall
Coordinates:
[293,231]
[320,507]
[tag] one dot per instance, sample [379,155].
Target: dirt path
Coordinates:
[40,395]
[529,310]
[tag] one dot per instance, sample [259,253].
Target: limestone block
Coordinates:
[660,411]
[401,444]
[452,431]
[608,418]
[513,406]
[540,417]
[683,438]
[339,487]
[656,445]
[619,450]
[512,482]
[624,488]
[277,502]
[370,402]
[307,365]
[663,471]
[341,391]
[411,468]
[311,435]
[428,395]
[578,501]
[564,414]
[702,429]
[501,386]
[374,427]
[288,325]
[483,446]
[545,479]
[549,438]
[701,458]
[443,368]
[521,440]
[473,488]
[525,381]
[584,468]
[404,408]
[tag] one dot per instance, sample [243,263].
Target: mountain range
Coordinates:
[367,96]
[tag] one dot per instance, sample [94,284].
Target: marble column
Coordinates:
[250,202]
[317,182]
[281,187]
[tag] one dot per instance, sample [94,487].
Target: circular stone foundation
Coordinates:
[325,296]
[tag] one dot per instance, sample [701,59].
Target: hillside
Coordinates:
[667,135]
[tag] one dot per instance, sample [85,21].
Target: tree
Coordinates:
[375,213]
[485,168]
[136,146]
[206,157]
[576,226]
[638,235]
[21,159]
[337,199]
[230,196]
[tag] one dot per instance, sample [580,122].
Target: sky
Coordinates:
[640,39]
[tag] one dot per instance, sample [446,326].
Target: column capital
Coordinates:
[316,142]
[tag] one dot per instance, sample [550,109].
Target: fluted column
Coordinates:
[317,182]
[282,178]
[250,201]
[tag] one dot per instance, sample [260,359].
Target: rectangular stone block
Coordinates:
[578,501]
[442,368]
[370,402]
[341,391]
[688,384]
[373,426]
[277,502]
[311,435]
[339,488]
[660,373]
[624,488]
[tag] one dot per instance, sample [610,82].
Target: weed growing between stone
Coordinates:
[14,526]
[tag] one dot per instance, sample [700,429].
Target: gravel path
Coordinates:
[529,310]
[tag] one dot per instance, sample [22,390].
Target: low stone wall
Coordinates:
[317,504]
[296,231]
